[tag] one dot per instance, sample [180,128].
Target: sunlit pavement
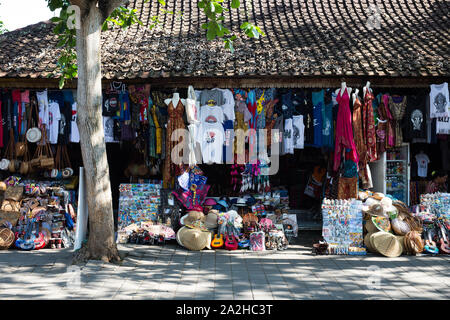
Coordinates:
[171,272]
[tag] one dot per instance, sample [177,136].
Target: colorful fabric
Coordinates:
[344,131]
[369,127]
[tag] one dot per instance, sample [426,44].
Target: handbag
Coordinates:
[43,157]
[257,241]
[14,193]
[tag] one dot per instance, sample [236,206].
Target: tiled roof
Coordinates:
[309,38]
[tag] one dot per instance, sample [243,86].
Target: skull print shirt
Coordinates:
[415,120]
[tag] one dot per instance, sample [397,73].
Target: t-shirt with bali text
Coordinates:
[422,164]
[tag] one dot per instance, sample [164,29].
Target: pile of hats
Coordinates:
[389,225]
[194,235]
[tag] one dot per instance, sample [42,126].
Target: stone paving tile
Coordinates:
[171,272]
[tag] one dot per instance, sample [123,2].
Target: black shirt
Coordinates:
[415,120]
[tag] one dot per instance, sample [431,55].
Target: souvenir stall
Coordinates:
[186,152]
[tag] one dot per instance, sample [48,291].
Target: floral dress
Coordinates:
[369,127]
[174,122]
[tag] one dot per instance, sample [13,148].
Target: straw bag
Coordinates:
[6,238]
[9,153]
[62,162]
[43,157]
[10,205]
[9,216]
[25,166]
[14,193]
[413,243]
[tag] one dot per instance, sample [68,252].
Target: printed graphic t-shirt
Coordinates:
[415,120]
[74,134]
[422,164]
[439,100]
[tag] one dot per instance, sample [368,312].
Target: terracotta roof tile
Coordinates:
[308,38]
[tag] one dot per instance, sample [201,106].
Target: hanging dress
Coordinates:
[174,122]
[358,134]
[369,127]
[344,131]
[397,106]
[192,114]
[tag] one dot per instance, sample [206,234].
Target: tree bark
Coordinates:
[101,243]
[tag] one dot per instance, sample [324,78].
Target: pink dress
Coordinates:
[344,131]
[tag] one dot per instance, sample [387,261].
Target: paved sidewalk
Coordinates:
[171,272]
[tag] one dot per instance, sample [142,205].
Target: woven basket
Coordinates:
[367,243]
[9,216]
[6,238]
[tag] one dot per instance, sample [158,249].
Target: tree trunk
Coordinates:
[101,244]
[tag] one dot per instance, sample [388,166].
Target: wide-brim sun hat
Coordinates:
[193,239]
[370,227]
[387,244]
[367,243]
[382,223]
[223,203]
[378,196]
[34,135]
[241,202]
[376,210]
[211,220]
[197,224]
[210,202]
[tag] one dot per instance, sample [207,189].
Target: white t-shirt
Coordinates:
[298,132]
[42,98]
[228,106]
[288,137]
[443,125]
[422,164]
[439,100]
[74,134]
[210,137]
[212,115]
[54,116]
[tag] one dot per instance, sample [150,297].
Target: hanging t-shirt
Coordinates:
[65,123]
[327,121]
[318,101]
[228,106]
[53,123]
[42,98]
[439,100]
[210,136]
[74,134]
[211,115]
[228,128]
[422,164]
[212,97]
[111,105]
[108,126]
[288,137]
[415,120]
[443,125]
[278,134]
[299,132]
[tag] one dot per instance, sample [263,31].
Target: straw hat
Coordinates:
[197,224]
[376,210]
[211,219]
[400,227]
[369,246]
[382,223]
[401,240]
[191,217]
[34,135]
[193,239]
[371,201]
[378,196]
[370,227]
[386,244]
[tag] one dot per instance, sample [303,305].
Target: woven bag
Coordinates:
[14,193]
[9,216]
[6,238]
